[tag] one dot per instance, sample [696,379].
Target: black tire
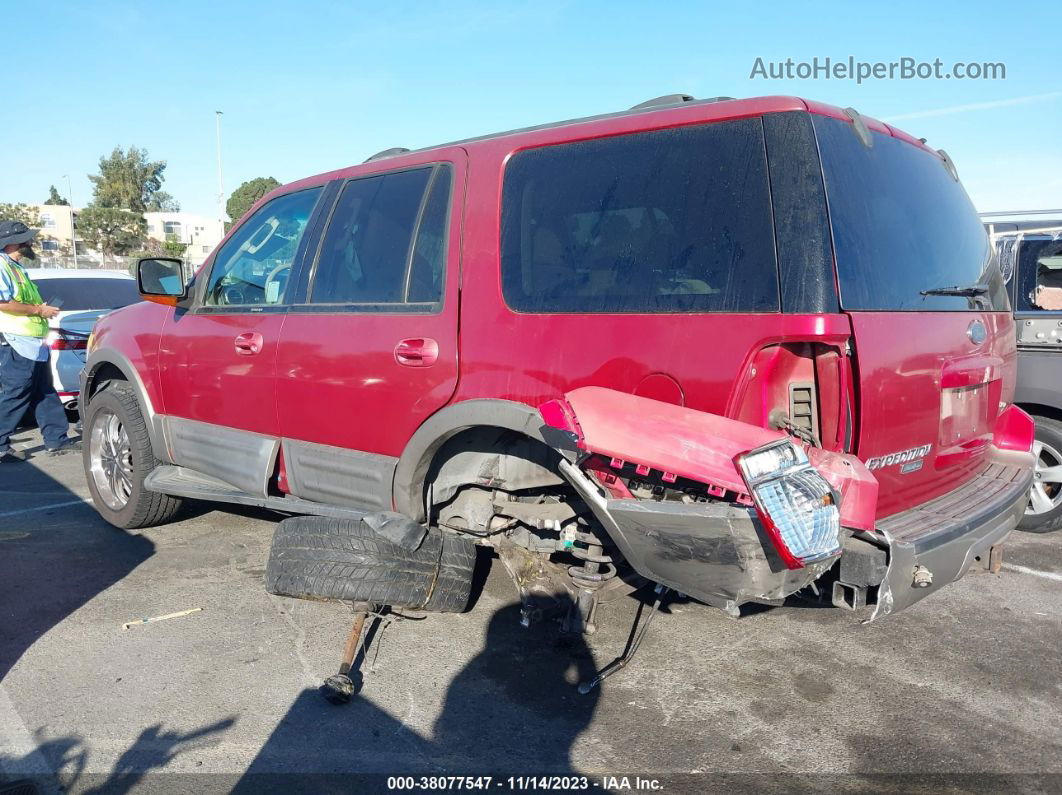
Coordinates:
[454,582]
[144,508]
[317,557]
[1049,434]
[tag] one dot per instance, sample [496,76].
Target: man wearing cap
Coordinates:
[25,374]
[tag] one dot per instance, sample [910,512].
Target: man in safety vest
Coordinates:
[25,374]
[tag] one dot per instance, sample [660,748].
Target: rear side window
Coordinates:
[385,243]
[668,221]
[904,229]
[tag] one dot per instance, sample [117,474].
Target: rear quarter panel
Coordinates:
[532,358]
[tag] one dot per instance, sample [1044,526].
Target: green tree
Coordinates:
[20,212]
[55,198]
[111,231]
[247,194]
[172,247]
[128,180]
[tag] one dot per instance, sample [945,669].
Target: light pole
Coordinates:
[221,181]
[73,229]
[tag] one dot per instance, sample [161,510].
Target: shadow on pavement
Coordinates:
[513,710]
[52,561]
[69,756]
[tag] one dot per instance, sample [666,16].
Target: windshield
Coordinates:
[903,226]
[79,295]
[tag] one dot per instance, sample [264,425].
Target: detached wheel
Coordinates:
[117,457]
[1044,513]
[317,557]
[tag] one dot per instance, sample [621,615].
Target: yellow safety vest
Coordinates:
[26,292]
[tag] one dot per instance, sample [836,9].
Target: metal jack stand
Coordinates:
[340,687]
[634,641]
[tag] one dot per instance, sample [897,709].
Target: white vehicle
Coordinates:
[82,296]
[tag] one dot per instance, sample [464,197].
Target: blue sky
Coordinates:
[308,87]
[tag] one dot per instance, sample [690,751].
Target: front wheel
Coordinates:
[1044,512]
[117,457]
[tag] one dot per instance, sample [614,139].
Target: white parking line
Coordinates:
[1047,575]
[20,511]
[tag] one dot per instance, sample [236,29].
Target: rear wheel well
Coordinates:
[1040,410]
[490,457]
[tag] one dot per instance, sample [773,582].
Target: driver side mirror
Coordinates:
[161,280]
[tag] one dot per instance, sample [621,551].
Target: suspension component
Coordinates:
[634,640]
[596,569]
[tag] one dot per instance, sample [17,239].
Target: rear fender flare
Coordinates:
[416,459]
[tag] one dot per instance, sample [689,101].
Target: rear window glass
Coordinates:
[79,295]
[668,221]
[902,226]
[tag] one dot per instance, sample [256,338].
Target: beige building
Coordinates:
[57,230]
[200,233]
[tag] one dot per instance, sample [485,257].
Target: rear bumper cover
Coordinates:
[715,552]
[718,552]
[948,534]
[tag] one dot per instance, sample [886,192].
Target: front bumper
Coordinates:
[946,536]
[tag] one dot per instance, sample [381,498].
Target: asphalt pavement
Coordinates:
[965,683]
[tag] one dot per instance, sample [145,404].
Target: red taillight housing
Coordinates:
[58,341]
[1014,430]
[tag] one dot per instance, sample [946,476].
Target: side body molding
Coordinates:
[337,476]
[240,458]
[408,489]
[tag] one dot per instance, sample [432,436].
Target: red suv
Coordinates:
[737,348]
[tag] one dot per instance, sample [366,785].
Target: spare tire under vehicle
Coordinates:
[317,557]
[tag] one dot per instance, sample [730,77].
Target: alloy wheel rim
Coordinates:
[1046,492]
[111,460]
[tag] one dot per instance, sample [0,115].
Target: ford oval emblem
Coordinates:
[976,332]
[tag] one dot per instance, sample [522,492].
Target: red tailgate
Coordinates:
[924,381]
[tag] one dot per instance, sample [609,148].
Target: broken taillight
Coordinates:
[799,509]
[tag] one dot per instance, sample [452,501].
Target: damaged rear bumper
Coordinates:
[714,552]
[936,543]
[720,553]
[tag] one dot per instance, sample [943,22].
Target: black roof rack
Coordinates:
[394,150]
[658,102]
[667,99]
[674,99]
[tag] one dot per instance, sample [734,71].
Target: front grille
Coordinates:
[996,485]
